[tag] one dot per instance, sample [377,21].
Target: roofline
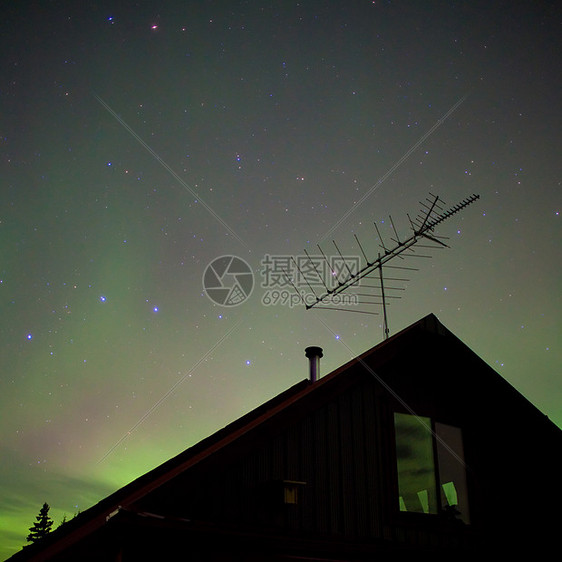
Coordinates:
[97,515]
[106,508]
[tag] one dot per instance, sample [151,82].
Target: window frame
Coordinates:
[441,454]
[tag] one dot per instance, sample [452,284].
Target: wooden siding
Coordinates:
[333,450]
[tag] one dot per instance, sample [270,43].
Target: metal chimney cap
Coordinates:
[313,351]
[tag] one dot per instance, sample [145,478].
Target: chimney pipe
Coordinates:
[314,353]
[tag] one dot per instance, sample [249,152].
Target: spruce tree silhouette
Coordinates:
[42,526]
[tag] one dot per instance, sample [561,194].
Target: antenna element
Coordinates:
[431,215]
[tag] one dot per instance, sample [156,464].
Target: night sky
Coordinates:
[141,142]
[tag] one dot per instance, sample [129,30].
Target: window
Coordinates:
[452,471]
[430,466]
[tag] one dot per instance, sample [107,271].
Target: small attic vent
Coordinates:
[291,491]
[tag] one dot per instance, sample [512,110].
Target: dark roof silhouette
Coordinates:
[425,342]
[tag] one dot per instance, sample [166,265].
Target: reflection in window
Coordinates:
[416,470]
[426,455]
[452,471]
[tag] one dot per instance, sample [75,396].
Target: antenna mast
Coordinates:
[431,215]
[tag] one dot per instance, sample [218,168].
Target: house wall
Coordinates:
[334,451]
[333,444]
[340,443]
[341,449]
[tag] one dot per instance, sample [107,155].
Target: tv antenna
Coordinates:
[349,276]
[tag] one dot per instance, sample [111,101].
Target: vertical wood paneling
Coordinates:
[346,462]
[308,457]
[321,481]
[333,492]
[358,439]
[333,449]
[373,496]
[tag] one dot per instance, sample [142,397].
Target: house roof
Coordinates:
[367,363]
